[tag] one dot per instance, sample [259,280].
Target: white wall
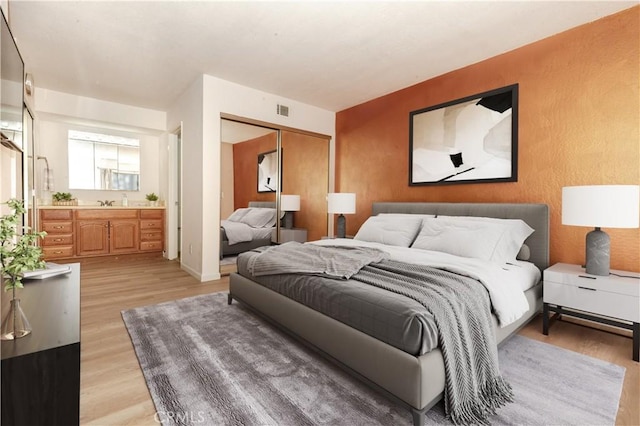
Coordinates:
[200,109]
[188,110]
[56,113]
[90,109]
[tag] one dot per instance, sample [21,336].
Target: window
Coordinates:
[101,161]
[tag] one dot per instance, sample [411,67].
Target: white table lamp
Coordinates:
[289,204]
[600,206]
[341,203]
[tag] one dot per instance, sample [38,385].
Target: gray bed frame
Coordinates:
[228,250]
[416,381]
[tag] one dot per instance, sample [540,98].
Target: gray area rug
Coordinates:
[206,362]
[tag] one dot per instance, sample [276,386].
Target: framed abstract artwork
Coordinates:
[468,140]
[268,171]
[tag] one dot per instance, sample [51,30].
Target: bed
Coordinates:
[260,236]
[417,380]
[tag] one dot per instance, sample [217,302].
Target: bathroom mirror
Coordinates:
[103,161]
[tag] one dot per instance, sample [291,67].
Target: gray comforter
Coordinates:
[460,306]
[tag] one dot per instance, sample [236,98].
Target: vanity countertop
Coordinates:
[84,207]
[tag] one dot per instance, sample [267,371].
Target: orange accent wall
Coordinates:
[305,172]
[245,170]
[579,124]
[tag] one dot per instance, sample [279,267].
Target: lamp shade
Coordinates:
[289,203]
[341,202]
[602,206]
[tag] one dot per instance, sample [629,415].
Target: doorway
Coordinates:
[174,196]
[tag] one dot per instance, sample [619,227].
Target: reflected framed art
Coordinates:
[268,171]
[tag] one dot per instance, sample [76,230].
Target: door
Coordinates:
[92,237]
[124,236]
[174,197]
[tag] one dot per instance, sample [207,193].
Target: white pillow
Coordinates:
[237,215]
[489,239]
[390,229]
[519,231]
[259,217]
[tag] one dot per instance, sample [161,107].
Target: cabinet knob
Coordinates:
[57,227]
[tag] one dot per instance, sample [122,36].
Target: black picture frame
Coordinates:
[469,140]
[268,175]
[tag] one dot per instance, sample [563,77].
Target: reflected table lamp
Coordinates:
[341,203]
[600,206]
[289,204]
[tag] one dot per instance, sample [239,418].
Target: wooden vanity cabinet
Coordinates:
[124,236]
[100,232]
[92,237]
[151,230]
[59,241]
[83,232]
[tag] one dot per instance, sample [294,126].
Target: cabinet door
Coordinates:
[124,236]
[92,237]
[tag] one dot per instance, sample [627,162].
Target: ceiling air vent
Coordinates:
[282,110]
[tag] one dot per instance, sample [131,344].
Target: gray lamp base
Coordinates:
[342,226]
[288,220]
[598,253]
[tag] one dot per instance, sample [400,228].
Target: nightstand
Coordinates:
[613,300]
[293,234]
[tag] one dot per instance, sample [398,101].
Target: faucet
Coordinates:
[105,203]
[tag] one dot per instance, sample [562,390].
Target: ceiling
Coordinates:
[333,55]
[235,132]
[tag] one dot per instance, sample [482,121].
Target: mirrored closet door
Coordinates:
[264,166]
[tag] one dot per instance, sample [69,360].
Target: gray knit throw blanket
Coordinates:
[297,258]
[474,387]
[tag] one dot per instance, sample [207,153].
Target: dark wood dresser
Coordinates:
[41,372]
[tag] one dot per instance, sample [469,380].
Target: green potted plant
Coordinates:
[63,199]
[18,254]
[152,199]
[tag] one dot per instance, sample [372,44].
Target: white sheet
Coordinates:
[505,283]
[238,232]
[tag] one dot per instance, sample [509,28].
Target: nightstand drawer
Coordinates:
[587,298]
[576,277]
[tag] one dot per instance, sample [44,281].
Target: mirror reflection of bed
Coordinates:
[245,229]
[304,172]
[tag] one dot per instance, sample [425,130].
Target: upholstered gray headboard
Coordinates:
[535,215]
[268,204]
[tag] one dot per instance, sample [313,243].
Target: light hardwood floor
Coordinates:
[113,390]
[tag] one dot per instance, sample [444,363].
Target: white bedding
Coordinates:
[238,232]
[505,283]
